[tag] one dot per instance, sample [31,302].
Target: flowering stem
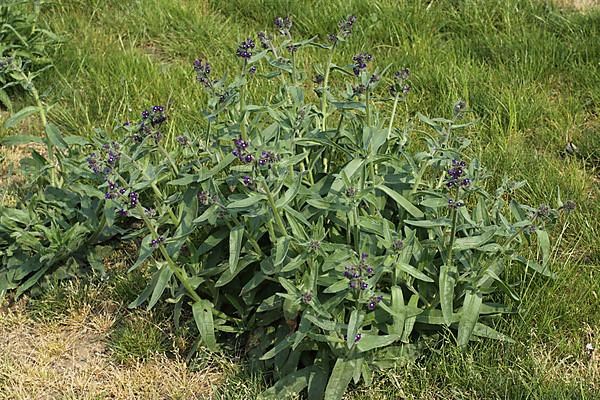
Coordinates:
[278,219]
[325,88]
[389,134]
[453,230]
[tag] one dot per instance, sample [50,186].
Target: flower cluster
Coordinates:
[149,124]
[156,242]
[345,27]
[244,49]
[459,107]
[373,301]
[358,273]
[240,151]
[134,199]
[399,86]
[267,158]
[265,40]
[360,62]
[456,175]
[182,140]
[106,160]
[284,25]
[202,72]
[307,297]
[247,180]
[455,204]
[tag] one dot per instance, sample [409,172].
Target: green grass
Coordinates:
[528,70]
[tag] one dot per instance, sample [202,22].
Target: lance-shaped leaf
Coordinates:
[402,201]
[235,245]
[469,316]
[202,311]
[447,283]
[339,379]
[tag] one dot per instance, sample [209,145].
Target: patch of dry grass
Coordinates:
[69,359]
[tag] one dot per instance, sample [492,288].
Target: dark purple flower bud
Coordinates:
[249,158]
[371,305]
[398,245]
[252,70]
[122,191]
[235,152]
[459,107]
[145,114]
[112,185]
[364,256]
[108,195]
[122,212]
[182,140]
[364,285]
[370,270]
[569,206]
[307,297]
[246,180]
[357,337]
[465,182]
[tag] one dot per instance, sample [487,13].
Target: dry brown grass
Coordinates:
[69,359]
[579,5]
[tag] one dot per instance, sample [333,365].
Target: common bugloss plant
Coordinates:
[304,222]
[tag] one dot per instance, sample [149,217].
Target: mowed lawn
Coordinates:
[528,70]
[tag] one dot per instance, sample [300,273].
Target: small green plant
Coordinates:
[25,48]
[308,222]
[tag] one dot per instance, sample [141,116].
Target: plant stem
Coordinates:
[449,261]
[325,88]
[393,116]
[278,219]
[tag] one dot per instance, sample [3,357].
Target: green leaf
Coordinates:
[281,250]
[235,246]
[55,137]
[290,193]
[469,316]
[247,202]
[349,105]
[490,333]
[18,140]
[338,286]
[402,201]
[349,170]
[4,99]
[202,311]
[412,271]
[279,347]
[473,242]
[544,244]
[398,309]
[413,312]
[164,276]
[353,325]
[146,250]
[446,285]
[20,115]
[339,379]
[289,385]
[369,342]
[430,223]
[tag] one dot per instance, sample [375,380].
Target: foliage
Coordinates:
[25,48]
[306,221]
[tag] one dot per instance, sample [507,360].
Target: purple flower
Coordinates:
[145,114]
[371,305]
[246,180]
[249,158]
[357,337]
[203,72]
[364,285]
[284,25]
[108,195]
[122,212]
[360,62]
[252,70]
[244,49]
